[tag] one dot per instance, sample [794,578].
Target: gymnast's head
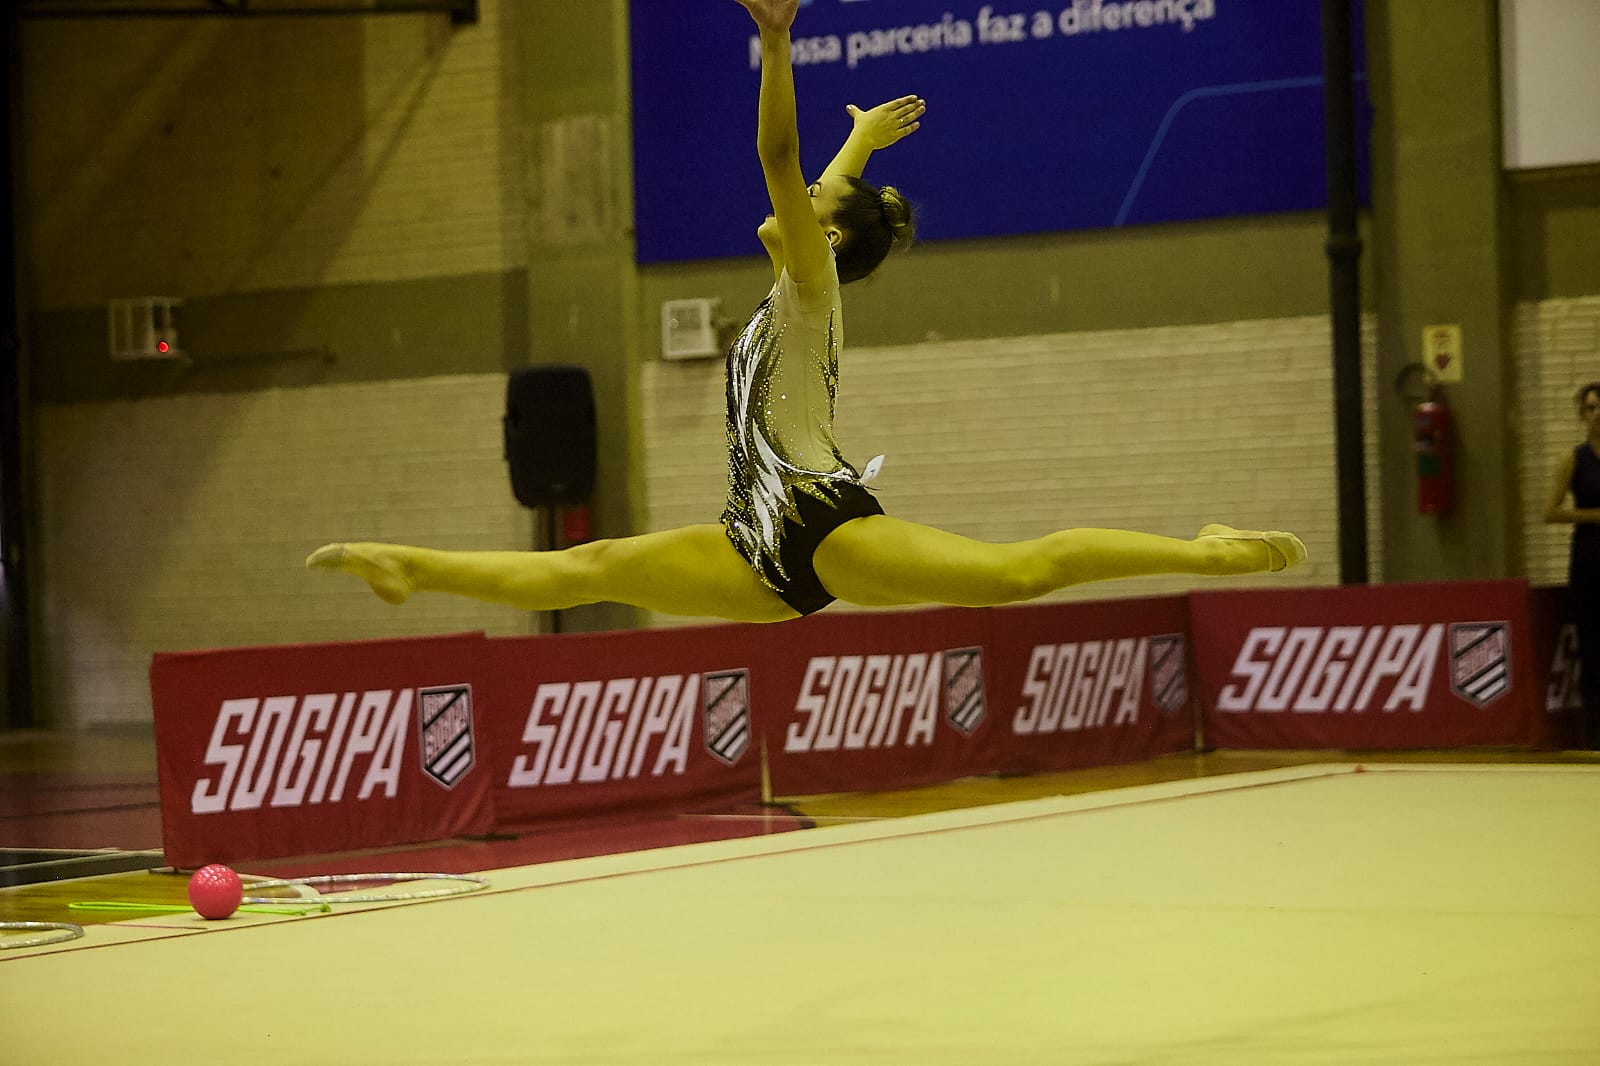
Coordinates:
[870,223]
[863,222]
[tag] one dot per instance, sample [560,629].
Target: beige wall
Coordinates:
[183,522]
[1157,378]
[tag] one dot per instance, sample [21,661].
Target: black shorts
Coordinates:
[798,542]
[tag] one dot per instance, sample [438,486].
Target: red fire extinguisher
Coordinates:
[1431,426]
[577,524]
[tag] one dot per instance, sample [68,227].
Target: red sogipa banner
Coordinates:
[304,749]
[599,724]
[293,750]
[1444,664]
[1092,684]
[870,701]
[900,699]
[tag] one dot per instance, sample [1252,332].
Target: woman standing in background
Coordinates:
[1578,476]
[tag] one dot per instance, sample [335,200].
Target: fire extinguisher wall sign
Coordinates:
[1431,426]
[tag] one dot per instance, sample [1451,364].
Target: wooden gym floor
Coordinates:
[96,791]
[1197,911]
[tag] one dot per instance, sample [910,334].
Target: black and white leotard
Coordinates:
[783,374]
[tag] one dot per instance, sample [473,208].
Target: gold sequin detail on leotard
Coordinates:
[783,373]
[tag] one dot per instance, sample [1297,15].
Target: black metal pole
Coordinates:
[1344,281]
[14,613]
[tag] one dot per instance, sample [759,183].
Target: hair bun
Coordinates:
[897,215]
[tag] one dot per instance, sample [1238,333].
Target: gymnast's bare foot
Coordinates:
[1283,550]
[379,565]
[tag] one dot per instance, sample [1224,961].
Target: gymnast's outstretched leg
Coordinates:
[689,571]
[880,561]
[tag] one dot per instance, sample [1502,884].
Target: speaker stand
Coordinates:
[548,514]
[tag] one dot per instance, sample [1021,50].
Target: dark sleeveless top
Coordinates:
[1585,493]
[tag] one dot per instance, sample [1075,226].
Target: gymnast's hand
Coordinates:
[774,16]
[888,122]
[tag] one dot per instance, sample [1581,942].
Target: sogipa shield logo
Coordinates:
[444,720]
[1480,661]
[964,705]
[1169,672]
[727,715]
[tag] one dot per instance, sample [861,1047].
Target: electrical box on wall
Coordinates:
[689,328]
[145,327]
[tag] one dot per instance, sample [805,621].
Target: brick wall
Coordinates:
[1161,430]
[184,523]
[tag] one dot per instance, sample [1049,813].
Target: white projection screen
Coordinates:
[1550,81]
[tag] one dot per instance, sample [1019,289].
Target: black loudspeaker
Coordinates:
[549,435]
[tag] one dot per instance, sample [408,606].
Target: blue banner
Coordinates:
[1043,115]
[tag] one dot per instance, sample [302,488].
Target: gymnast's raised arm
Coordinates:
[799,243]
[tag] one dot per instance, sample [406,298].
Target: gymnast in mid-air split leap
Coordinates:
[801,528]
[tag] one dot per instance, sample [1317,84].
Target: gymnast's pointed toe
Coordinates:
[382,566]
[327,557]
[1284,550]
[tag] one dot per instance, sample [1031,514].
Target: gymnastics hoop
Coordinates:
[464,883]
[73,932]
